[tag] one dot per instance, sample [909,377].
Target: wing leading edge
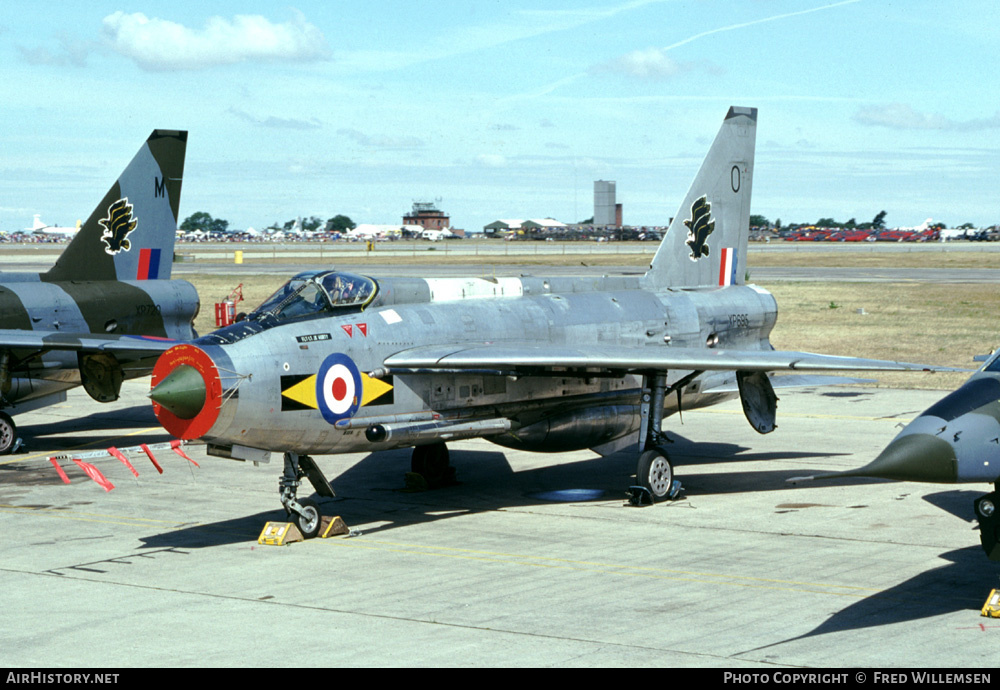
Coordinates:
[139,346]
[529,359]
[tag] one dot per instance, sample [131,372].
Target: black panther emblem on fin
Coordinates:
[117,226]
[699,227]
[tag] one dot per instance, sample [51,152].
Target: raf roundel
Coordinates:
[338,388]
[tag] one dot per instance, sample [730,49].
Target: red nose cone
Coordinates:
[186,421]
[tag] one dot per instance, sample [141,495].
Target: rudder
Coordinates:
[131,233]
[706,243]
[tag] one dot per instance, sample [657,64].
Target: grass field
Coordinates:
[858,259]
[943,324]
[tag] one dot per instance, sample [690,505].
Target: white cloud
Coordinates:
[652,64]
[277,122]
[381,141]
[491,160]
[70,53]
[902,116]
[647,64]
[159,44]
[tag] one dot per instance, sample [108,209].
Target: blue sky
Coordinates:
[504,109]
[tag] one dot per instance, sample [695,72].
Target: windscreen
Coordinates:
[317,292]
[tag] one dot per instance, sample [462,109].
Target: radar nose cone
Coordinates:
[182,392]
[914,457]
[187,391]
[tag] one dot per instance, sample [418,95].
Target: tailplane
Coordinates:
[706,243]
[131,233]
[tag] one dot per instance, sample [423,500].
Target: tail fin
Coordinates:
[131,233]
[706,244]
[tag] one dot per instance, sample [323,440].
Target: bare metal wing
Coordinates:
[140,346]
[532,359]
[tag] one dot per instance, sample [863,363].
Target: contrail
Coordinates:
[549,88]
[757,21]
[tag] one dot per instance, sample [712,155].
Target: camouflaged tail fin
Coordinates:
[130,235]
[706,243]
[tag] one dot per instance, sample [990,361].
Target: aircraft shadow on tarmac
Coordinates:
[960,585]
[372,490]
[66,434]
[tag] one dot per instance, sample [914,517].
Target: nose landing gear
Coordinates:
[306,512]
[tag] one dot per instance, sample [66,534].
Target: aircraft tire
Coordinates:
[655,473]
[431,462]
[8,433]
[310,521]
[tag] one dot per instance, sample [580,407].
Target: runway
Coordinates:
[522,258]
[532,560]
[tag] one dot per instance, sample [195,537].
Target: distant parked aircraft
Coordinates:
[40,228]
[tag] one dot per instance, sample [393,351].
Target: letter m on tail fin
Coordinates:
[706,244]
[131,233]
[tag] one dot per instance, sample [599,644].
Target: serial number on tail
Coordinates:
[148,310]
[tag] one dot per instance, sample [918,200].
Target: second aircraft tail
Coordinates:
[706,243]
[131,233]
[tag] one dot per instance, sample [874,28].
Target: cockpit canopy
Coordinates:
[317,292]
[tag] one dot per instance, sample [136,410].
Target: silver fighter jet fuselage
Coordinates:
[337,362]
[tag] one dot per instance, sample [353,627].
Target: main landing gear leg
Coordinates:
[654,474]
[306,512]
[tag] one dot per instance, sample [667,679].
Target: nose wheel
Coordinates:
[309,520]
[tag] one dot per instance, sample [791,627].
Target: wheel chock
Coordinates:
[414,482]
[333,527]
[280,534]
[639,496]
[992,607]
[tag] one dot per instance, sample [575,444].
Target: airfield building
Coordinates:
[606,212]
[426,215]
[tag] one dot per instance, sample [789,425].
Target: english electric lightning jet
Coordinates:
[107,308]
[955,440]
[337,362]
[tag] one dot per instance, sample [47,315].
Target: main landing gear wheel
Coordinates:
[655,474]
[8,433]
[433,464]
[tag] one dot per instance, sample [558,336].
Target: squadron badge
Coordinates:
[117,227]
[700,226]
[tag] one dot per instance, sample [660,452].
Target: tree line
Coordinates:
[206,223]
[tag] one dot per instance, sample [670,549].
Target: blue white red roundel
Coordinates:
[338,388]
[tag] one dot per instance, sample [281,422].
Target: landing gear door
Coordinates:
[760,404]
